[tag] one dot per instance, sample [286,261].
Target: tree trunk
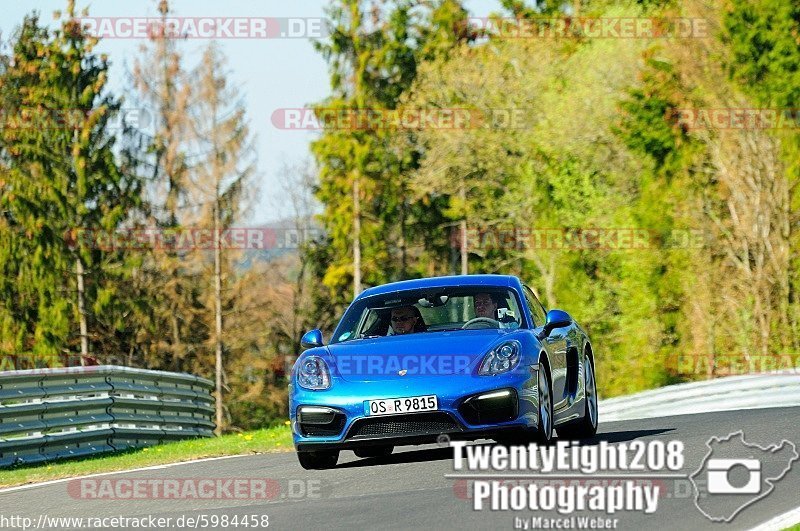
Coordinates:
[82,311]
[464,243]
[218,314]
[403,244]
[462,194]
[356,236]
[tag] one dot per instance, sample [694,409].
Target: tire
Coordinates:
[373,451]
[318,460]
[586,427]
[544,435]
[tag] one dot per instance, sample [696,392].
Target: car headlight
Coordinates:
[500,359]
[313,373]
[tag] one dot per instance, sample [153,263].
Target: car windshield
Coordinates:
[430,310]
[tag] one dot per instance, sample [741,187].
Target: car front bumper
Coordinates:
[469,407]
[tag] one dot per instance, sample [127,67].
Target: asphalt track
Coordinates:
[409,489]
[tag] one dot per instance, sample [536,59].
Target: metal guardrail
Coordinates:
[777,389]
[49,414]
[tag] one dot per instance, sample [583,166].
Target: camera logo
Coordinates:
[720,469]
[735,474]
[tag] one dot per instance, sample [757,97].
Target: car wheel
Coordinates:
[587,426]
[545,433]
[373,451]
[318,460]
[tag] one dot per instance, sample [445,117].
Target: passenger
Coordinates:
[492,306]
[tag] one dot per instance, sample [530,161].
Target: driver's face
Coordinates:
[403,320]
[485,306]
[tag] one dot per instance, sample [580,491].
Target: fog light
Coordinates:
[315,415]
[496,394]
[320,421]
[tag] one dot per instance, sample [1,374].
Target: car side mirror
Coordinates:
[555,319]
[311,339]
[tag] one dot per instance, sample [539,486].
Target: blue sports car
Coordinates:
[466,357]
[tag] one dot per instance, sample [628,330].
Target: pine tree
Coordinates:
[373,54]
[62,179]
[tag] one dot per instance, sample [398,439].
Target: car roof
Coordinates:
[504,281]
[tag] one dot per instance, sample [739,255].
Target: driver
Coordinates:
[405,320]
[485,305]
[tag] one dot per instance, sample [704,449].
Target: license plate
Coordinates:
[411,404]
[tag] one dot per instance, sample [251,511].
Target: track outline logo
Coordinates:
[706,469]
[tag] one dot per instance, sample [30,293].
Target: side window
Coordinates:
[537,311]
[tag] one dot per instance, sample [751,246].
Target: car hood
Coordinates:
[423,355]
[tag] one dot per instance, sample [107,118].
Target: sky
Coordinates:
[271,73]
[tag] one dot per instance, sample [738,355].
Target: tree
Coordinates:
[63,179]
[275,308]
[220,180]
[373,54]
[174,331]
[764,60]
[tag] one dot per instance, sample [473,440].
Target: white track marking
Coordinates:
[117,472]
[780,522]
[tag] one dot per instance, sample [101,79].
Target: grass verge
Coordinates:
[261,441]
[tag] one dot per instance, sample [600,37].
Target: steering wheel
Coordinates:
[486,322]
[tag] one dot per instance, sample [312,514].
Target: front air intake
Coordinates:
[490,408]
[403,425]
